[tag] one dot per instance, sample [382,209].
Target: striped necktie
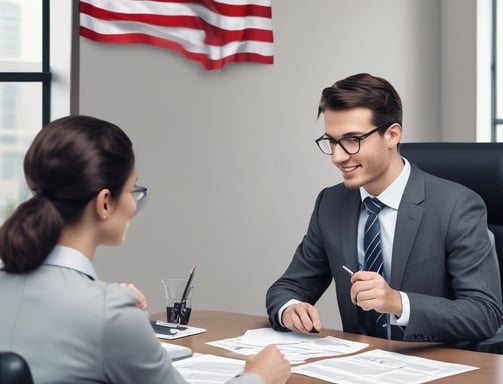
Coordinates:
[373,256]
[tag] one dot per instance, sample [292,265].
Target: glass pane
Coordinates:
[20,36]
[21,106]
[499,133]
[499,60]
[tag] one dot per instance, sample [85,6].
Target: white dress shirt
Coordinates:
[391,196]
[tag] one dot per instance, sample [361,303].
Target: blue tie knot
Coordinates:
[373,205]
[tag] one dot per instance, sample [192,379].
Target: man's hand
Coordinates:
[371,292]
[301,317]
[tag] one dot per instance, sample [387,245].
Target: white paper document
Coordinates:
[297,347]
[209,369]
[380,367]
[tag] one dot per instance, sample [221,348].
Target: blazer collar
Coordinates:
[348,219]
[410,213]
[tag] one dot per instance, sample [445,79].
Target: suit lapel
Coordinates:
[410,213]
[348,222]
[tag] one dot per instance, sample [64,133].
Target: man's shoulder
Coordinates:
[436,188]
[338,192]
[339,189]
[337,197]
[441,184]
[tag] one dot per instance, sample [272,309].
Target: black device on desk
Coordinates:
[165,328]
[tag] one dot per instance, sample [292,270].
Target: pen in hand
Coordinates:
[351,273]
[348,270]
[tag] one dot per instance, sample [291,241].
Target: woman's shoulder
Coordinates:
[118,296]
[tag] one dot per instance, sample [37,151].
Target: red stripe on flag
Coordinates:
[132,38]
[207,31]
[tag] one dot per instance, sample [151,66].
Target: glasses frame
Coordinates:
[139,193]
[357,138]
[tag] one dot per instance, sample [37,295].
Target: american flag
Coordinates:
[211,32]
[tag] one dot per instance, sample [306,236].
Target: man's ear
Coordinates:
[393,135]
[103,204]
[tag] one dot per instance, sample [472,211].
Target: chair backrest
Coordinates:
[14,369]
[479,166]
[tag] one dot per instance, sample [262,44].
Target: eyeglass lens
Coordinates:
[350,144]
[139,193]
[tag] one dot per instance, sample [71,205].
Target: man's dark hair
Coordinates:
[364,90]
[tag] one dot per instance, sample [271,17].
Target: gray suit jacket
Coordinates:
[72,329]
[442,258]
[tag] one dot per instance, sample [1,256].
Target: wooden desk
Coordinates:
[223,325]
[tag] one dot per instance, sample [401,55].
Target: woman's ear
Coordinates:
[103,204]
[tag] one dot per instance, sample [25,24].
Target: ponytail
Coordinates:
[29,234]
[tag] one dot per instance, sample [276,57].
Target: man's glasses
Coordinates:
[139,193]
[350,144]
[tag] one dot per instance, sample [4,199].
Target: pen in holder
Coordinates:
[179,313]
[178,294]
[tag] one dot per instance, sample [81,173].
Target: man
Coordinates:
[409,252]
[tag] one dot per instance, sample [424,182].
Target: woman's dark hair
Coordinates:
[68,163]
[364,90]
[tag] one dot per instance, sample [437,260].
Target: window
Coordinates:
[25,91]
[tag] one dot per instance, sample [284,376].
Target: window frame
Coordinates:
[496,121]
[45,76]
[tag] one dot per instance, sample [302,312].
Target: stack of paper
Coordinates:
[380,367]
[209,369]
[296,347]
[177,352]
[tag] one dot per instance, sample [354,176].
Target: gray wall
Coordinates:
[458,68]
[229,156]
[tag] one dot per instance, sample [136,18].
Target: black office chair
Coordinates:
[479,166]
[14,369]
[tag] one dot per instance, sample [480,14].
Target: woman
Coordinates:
[70,326]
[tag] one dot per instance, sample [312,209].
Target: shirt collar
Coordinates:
[67,257]
[392,195]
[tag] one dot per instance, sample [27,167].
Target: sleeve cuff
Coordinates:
[285,306]
[404,319]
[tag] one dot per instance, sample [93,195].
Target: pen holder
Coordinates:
[178,308]
[179,313]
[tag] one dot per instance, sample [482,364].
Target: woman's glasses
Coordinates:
[139,193]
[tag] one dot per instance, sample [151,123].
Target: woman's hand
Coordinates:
[270,365]
[140,297]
